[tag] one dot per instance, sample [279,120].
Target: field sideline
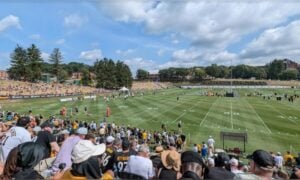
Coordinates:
[271,125]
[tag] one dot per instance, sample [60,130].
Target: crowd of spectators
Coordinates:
[34,148]
[19,88]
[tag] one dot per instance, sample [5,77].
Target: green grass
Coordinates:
[271,125]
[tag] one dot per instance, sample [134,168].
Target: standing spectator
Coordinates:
[195,148]
[47,140]
[211,143]
[140,164]
[278,160]
[288,158]
[204,150]
[15,136]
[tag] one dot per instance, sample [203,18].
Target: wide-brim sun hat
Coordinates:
[85,149]
[171,159]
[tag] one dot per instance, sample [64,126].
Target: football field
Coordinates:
[270,124]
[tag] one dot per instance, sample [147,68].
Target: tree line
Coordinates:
[276,70]
[27,64]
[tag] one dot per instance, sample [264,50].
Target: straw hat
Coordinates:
[171,159]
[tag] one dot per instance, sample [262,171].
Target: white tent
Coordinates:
[123,89]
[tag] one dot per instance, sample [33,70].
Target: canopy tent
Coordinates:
[123,89]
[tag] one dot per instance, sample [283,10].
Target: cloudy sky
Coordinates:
[152,34]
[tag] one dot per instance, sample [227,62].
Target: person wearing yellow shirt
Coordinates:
[288,158]
[144,136]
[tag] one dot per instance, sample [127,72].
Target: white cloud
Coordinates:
[140,63]
[35,36]
[91,54]
[125,52]
[281,41]
[9,21]
[60,41]
[205,23]
[45,56]
[75,20]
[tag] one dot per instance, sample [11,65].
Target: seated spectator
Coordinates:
[15,136]
[193,166]
[64,155]
[171,164]
[295,174]
[140,164]
[46,139]
[221,161]
[21,160]
[86,160]
[234,166]
[261,166]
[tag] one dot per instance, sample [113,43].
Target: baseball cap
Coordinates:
[82,130]
[263,159]
[110,139]
[190,156]
[85,149]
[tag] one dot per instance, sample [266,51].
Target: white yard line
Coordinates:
[208,112]
[266,127]
[286,117]
[185,112]
[178,117]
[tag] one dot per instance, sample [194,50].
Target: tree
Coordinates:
[275,68]
[142,74]
[290,74]
[86,79]
[56,60]
[18,70]
[213,70]
[34,63]
[199,74]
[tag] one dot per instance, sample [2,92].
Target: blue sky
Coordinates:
[154,34]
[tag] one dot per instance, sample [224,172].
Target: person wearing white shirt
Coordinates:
[211,143]
[140,164]
[15,136]
[278,160]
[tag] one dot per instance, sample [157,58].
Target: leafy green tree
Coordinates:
[199,74]
[18,70]
[56,61]
[289,74]
[34,63]
[213,70]
[86,79]
[142,74]
[275,68]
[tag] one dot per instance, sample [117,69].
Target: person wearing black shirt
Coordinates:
[47,140]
